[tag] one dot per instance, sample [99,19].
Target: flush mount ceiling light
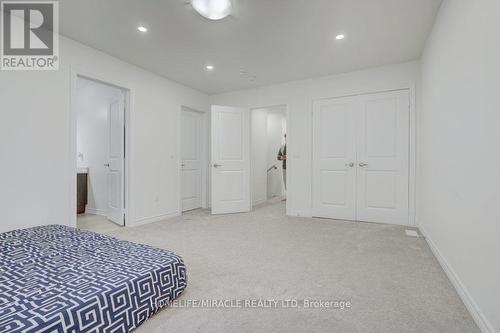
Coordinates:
[340,37]
[209,68]
[212,9]
[142,29]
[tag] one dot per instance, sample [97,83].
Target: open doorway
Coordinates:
[269,156]
[100,152]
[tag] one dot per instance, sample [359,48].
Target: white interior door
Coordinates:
[230,160]
[191,159]
[115,165]
[383,157]
[334,158]
[259,160]
[361,158]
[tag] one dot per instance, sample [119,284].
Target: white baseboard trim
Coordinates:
[95,211]
[151,219]
[481,321]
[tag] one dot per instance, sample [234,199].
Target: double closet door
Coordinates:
[361,158]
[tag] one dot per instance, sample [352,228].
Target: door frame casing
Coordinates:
[127,172]
[205,144]
[412,153]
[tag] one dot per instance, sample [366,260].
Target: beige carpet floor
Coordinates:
[393,282]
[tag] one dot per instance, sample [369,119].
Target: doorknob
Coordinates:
[106,165]
[350,165]
[217,165]
[363,164]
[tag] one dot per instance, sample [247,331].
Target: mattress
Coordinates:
[61,279]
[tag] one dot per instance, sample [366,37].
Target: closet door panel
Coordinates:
[382,148]
[334,172]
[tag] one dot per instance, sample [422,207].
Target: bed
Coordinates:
[61,279]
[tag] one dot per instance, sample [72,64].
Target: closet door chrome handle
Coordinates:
[362,164]
[106,165]
[350,165]
[217,165]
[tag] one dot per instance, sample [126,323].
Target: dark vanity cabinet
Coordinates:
[81,192]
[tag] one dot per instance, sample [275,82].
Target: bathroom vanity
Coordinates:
[81,190]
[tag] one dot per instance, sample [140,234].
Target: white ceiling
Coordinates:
[273,40]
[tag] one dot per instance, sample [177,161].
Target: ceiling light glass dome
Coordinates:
[212,9]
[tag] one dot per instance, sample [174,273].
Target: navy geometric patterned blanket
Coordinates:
[61,279]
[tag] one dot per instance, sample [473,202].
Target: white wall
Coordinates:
[299,96]
[36,163]
[93,101]
[459,159]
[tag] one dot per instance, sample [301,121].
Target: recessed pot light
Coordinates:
[212,9]
[340,37]
[142,28]
[209,68]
